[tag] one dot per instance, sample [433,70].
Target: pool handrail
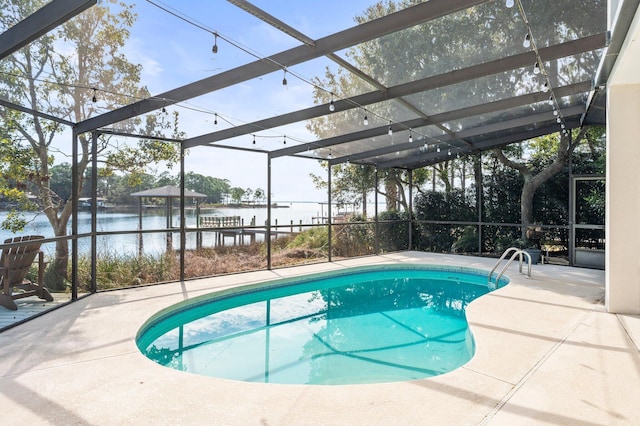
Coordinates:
[517,252]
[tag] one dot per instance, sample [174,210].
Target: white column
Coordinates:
[622,263]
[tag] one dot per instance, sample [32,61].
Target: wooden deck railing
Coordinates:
[220,221]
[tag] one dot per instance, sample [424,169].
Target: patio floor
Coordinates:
[547,353]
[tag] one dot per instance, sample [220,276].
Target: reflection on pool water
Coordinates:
[363,325]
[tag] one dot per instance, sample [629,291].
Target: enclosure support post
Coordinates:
[267,234]
[75,186]
[329,222]
[410,209]
[183,237]
[94,210]
[479,194]
[169,208]
[140,242]
[376,240]
[572,213]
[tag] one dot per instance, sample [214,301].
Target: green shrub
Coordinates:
[467,242]
[355,238]
[126,270]
[316,238]
[393,230]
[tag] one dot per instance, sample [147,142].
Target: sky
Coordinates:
[174,52]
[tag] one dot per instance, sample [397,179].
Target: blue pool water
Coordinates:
[362,325]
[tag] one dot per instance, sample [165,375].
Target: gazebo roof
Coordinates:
[167,191]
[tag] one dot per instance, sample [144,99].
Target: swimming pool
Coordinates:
[371,324]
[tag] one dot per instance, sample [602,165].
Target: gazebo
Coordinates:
[169,192]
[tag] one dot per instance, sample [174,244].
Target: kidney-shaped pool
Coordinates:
[373,324]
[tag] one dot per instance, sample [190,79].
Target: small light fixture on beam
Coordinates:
[284,78]
[214,49]
[509,3]
[390,129]
[332,106]
[94,99]
[527,41]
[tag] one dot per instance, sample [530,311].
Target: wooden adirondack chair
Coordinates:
[15,264]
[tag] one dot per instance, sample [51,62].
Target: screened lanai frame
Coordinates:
[520,116]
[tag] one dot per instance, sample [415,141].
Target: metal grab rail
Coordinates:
[517,252]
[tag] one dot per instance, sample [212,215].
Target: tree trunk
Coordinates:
[443,173]
[533,181]
[452,176]
[60,265]
[526,205]
[477,174]
[364,203]
[402,197]
[391,189]
[463,177]
[433,179]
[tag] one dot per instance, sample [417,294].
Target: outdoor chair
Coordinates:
[14,265]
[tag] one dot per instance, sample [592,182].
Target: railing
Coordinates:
[220,221]
[516,253]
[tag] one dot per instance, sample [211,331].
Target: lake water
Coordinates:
[155,219]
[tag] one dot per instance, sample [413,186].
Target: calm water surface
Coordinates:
[366,327]
[156,219]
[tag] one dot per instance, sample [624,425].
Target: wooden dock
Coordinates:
[232,227]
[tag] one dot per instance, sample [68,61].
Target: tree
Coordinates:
[248,194]
[443,45]
[424,50]
[166,179]
[553,152]
[236,194]
[61,180]
[213,188]
[75,72]
[259,194]
[220,188]
[350,184]
[14,165]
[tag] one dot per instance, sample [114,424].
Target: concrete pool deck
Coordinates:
[547,353]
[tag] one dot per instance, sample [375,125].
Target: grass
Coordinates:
[117,270]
